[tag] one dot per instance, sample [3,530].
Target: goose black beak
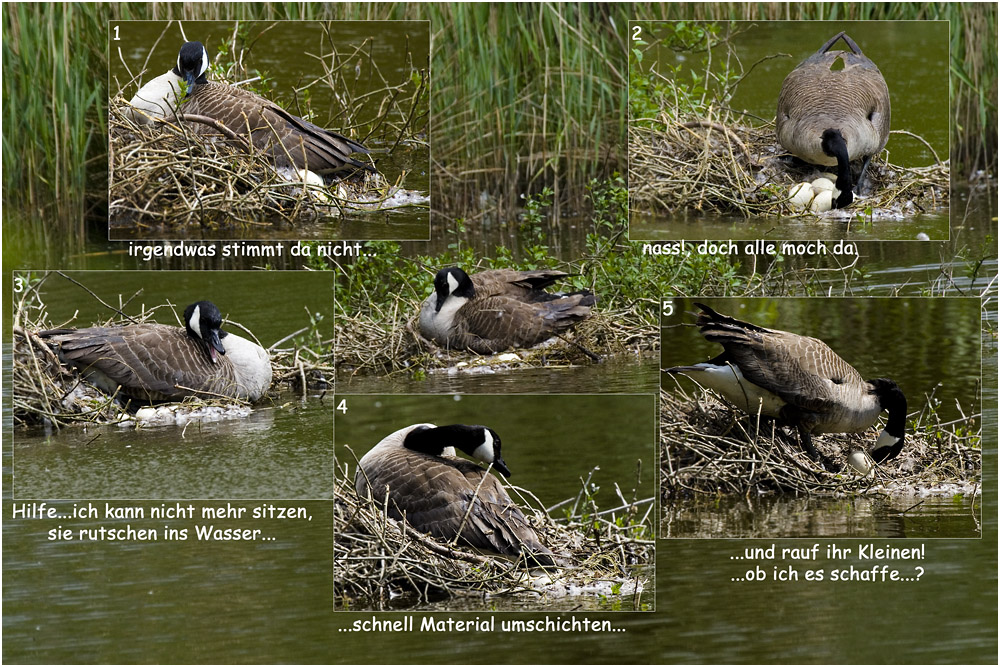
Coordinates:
[215,347]
[501,467]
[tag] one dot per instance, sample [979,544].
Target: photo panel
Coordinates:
[789,130]
[133,385]
[886,390]
[564,521]
[269,130]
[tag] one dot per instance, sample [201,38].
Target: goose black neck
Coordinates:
[434,440]
[834,145]
[892,399]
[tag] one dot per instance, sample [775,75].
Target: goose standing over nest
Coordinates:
[157,362]
[800,381]
[290,141]
[491,311]
[833,109]
[416,475]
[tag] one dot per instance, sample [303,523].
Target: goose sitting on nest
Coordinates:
[290,141]
[415,474]
[492,311]
[157,362]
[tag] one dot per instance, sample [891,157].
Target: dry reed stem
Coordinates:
[378,559]
[707,449]
[715,164]
[46,392]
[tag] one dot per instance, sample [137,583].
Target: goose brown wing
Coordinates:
[272,129]
[495,323]
[150,361]
[527,285]
[803,371]
[435,495]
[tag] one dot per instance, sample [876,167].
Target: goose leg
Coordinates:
[861,176]
[810,449]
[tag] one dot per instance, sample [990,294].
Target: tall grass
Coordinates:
[53,114]
[527,96]
[524,97]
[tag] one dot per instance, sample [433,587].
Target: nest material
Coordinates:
[716,165]
[708,449]
[165,177]
[379,561]
[47,392]
[388,341]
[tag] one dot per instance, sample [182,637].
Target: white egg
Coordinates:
[860,461]
[801,195]
[823,201]
[822,184]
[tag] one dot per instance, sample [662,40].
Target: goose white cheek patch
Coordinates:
[886,439]
[194,322]
[484,452]
[452,283]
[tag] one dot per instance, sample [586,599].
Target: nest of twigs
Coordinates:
[708,450]
[164,177]
[387,340]
[381,562]
[717,165]
[45,392]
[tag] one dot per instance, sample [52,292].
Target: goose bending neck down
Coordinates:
[156,362]
[415,474]
[800,381]
[289,141]
[834,109]
[492,311]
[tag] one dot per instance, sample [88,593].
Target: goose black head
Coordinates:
[203,322]
[192,63]
[890,398]
[480,442]
[452,280]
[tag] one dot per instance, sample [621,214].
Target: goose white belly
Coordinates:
[438,324]
[839,418]
[728,380]
[251,364]
[158,99]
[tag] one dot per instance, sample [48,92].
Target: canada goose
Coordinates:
[289,140]
[491,311]
[799,380]
[157,362]
[833,109]
[417,471]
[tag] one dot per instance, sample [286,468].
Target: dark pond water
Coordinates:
[294,55]
[913,58]
[270,304]
[614,375]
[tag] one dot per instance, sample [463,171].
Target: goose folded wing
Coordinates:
[802,371]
